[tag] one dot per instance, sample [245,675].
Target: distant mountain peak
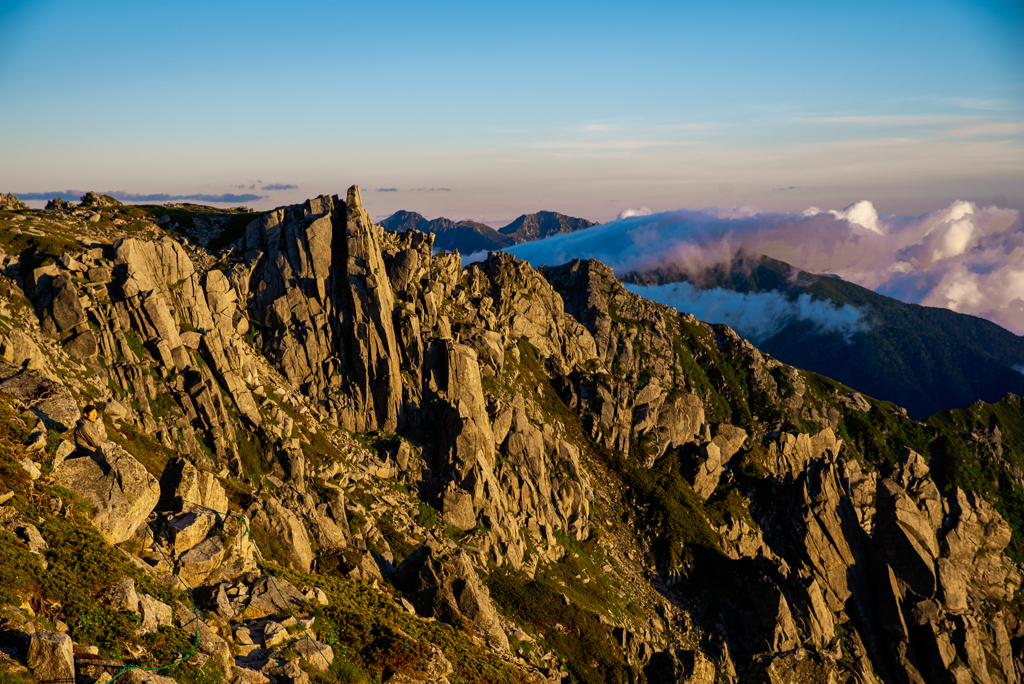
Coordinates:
[542,224]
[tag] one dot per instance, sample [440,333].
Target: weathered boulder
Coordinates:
[83,345]
[188,530]
[199,563]
[151,266]
[274,634]
[286,527]
[21,350]
[122,490]
[443,584]
[123,596]
[182,485]
[155,614]
[17,524]
[66,310]
[316,653]
[273,596]
[287,672]
[48,399]
[51,657]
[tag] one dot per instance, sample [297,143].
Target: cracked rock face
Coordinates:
[336,326]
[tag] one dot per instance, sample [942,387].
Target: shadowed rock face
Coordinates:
[445,586]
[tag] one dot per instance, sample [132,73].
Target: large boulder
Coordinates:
[48,399]
[151,266]
[51,657]
[189,529]
[21,350]
[317,654]
[443,584]
[274,596]
[183,486]
[122,491]
[200,562]
[66,310]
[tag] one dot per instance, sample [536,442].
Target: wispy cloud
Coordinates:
[387,189]
[694,126]
[280,186]
[606,145]
[888,121]
[992,128]
[76,195]
[975,103]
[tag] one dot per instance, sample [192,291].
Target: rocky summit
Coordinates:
[327,452]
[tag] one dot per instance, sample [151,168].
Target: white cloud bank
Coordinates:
[964,257]
[642,211]
[756,316]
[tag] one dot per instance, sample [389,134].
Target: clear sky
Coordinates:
[484,110]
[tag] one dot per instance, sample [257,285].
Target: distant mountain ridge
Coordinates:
[464,236]
[923,358]
[529,227]
[471,236]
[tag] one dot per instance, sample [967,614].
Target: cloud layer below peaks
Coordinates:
[963,257]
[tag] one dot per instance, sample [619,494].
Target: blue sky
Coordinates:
[586,108]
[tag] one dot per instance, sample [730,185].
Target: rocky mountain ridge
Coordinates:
[356,453]
[470,236]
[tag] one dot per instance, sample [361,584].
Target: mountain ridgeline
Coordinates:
[922,358]
[365,462]
[468,237]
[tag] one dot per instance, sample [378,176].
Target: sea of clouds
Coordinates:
[757,316]
[965,257]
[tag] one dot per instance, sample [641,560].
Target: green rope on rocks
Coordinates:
[316,644]
[195,611]
[263,565]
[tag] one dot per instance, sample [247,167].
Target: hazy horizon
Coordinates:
[486,113]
